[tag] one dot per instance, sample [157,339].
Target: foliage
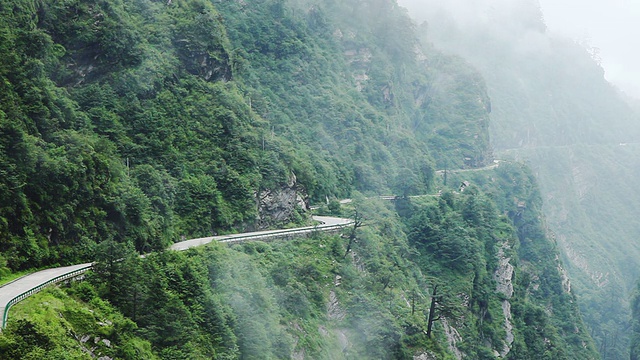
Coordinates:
[542,298]
[553,108]
[304,296]
[70,325]
[127,125]
[147,121]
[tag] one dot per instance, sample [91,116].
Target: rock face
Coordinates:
[334,311]
[425,356]
[504,285]
[453,338]
[277,206]
[209,67]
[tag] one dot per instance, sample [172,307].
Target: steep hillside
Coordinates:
[463,275]
[552,108]
[126,125]
[635,326]
[146,121]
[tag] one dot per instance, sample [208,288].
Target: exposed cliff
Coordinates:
[280,206]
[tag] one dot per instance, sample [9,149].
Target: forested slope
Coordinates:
[496,279]
[148,121]
[553,108]
[126,126]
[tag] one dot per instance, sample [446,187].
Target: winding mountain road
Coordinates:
[18,290]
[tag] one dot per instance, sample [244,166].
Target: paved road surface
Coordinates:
[496,163]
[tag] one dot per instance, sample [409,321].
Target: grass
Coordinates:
[69,328]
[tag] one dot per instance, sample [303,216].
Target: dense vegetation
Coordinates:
[145,121]
[327,297]
[553,108]
[126,125]
[635,326]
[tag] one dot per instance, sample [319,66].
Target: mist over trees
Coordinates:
[552,107]
[128,125]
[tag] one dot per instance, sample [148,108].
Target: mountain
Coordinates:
[182,118]
[126,126]
[553,109]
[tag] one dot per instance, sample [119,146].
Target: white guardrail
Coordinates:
[336,224]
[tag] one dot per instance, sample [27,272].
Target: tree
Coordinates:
[118,276]
[432,311]
[443,234]
[441,307]
[334,207]
[407,183]
[357,223]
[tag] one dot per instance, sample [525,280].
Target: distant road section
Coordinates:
[496,163]
[26,286]
[326,224]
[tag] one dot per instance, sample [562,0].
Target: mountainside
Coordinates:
[553,108]
[463,275]
[149,121]
[126,126]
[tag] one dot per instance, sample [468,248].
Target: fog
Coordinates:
[608,27]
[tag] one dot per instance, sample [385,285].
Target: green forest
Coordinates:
[553,109]
[126,126]
[323,297]
[143,122]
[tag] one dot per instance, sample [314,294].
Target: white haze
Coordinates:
[610,27]
[613,26]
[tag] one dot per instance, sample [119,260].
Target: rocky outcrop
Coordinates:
[504,285]
[504,273]
[360,60]
[566,283]
[579,259]
[334,311]
[425,356]
[278,206]
[453,338]
[94,346]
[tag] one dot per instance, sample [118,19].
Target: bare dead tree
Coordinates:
[432,311]
[357,223]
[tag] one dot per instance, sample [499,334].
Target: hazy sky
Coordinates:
[613,26]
